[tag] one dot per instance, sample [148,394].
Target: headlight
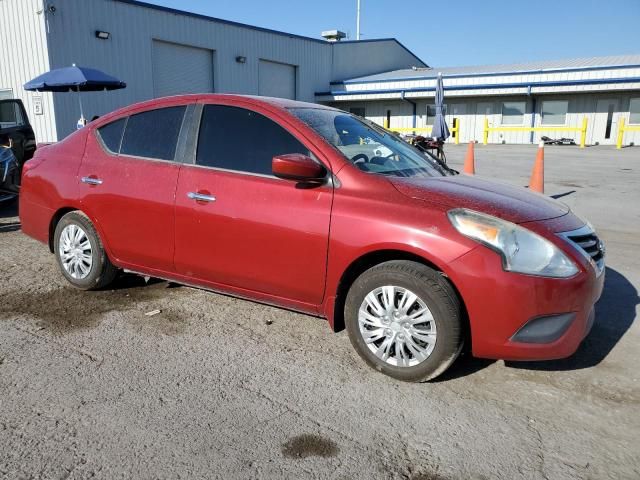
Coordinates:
[522,250]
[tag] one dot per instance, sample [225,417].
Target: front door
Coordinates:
[239,226]
[128,181]
[605,122]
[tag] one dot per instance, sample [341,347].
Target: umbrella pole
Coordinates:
[82,119]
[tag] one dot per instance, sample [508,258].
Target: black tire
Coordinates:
[439,297]
[102,271]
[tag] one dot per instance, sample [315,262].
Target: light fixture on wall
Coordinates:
[241,59]
[102,35]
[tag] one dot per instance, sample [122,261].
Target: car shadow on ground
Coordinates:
[615,313]
[126,281]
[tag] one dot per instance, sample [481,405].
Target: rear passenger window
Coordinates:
[153,134]
[111,134]
[237,139]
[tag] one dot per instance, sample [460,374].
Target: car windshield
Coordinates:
[368,146]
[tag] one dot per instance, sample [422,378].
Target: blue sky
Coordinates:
[471,32]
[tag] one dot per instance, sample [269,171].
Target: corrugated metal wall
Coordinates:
[472,111]
[128,53]
[24,55]
[354,59]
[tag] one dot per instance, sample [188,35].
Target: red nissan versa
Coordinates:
[316,210]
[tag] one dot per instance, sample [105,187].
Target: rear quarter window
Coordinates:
[111,134]
[153,134]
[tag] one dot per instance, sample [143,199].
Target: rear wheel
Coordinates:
[404,320]
[80,253]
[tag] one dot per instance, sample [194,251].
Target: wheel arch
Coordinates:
[55,219]
[373,258]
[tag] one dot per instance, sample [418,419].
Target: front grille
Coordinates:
[590,243]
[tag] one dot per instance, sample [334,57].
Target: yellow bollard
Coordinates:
[583,132]
[620,133]
[456,127]
[485,131]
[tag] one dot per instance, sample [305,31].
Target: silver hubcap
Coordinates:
[75,252]
[397,326]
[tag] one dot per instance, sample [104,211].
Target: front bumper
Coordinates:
[502,305]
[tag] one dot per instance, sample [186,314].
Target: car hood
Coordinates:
[515,204]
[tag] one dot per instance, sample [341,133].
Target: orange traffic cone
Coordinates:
[537,175]
[469,161]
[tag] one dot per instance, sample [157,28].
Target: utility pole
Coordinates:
[358,22]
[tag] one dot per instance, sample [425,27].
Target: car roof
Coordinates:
[279,103]
[256,99]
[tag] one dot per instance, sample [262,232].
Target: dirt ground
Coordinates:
[215,387]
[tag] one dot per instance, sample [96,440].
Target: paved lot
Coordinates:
[90,387]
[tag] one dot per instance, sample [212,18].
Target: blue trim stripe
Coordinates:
[487,86]
[489,74]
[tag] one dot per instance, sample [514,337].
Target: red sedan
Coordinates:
[316,210]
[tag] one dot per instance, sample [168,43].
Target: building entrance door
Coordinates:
[604,127]
[483,110]
[458,111]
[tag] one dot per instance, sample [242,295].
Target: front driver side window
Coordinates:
[233,138]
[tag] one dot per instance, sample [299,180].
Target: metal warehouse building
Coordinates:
[587,98]
[160,51]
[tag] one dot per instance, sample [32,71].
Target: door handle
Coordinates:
[201,197]
[91,180]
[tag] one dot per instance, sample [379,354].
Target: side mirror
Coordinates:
[298,167]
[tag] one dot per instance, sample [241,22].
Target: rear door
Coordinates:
[238,225]
[128,181]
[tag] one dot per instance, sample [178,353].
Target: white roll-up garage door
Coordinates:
[277,79]
[179,69]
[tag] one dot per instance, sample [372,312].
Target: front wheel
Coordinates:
[404,320]
[80,253]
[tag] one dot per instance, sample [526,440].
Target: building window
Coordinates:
[513,113]
[359,111]
[554,112]
[431,113]
[634,111]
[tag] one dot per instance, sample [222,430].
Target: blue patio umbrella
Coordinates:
[440,130]
[74,79]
